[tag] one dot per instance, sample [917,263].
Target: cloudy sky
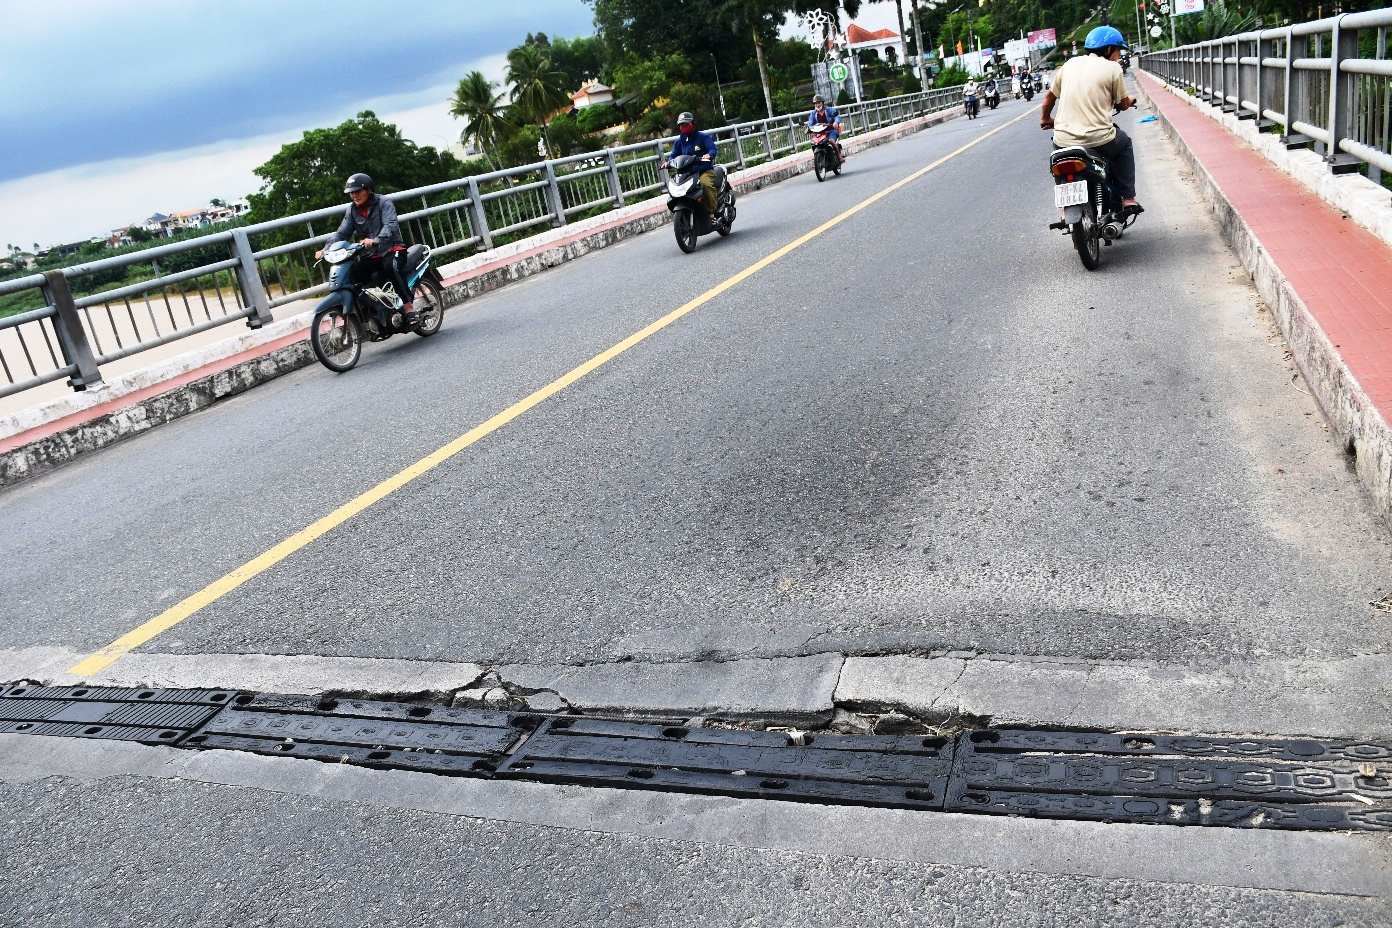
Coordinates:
[113,111]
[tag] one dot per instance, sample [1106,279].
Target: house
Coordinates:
[191,218]
[591,93]
[880,41]
[160,224]
[118,238]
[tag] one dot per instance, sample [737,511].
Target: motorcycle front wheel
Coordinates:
[336,338]
[430,306]
[1087,238]
[819,164]
[684,224]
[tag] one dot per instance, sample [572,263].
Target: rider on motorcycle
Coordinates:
[1087,89]
[821,113]
[691,142]
[969,92]
[371,220]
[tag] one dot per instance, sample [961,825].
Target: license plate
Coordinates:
[1074,194]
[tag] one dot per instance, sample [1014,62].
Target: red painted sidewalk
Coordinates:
[1341,271]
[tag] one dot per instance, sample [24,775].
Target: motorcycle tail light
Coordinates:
[1068,166]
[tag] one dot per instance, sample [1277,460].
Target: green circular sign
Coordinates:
[839,73]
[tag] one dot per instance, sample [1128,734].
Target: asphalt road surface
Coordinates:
[925,431]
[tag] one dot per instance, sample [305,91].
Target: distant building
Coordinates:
[591,93]
[160,224]
[879,41]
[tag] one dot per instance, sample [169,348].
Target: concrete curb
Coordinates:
[231,373]
[1352,415]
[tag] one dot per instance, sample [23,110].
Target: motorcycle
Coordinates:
[825,155]
[689,217]
[1092,213]
[356,310]
[1027,88]
[993,97]
[972,106]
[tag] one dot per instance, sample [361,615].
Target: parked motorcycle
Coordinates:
[371,310]
[1092,213]
[689,217]
[826,157]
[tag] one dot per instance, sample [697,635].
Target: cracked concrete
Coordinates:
[1343,698]
[1349,698]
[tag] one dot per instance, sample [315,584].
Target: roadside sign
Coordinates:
[1155,32]
[1182,7]
[839,72]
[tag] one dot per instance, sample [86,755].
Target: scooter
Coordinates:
[355,310]
[1027,88]
[689,217]
[972,106]
[993,98]
[825,155]
[1092,210]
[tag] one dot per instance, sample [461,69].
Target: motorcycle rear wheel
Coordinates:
[430,305]
[337,339]
[819,164]
[1087,238]
[684,224]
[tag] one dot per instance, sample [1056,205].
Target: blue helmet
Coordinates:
[1103,36]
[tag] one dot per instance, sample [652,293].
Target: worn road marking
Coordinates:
[219,588]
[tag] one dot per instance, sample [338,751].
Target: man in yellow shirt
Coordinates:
[1087,89]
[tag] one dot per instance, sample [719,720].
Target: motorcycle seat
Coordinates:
[720,180]
[414,256]
[1075,151]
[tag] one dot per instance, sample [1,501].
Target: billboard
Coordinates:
[1188,6]
[1017,51]
[1041,39]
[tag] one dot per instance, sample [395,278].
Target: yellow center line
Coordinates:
[219,588]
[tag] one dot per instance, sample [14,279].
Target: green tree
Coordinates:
[579,59]
[309,174]
[536,87]
[486,123]
[138,234]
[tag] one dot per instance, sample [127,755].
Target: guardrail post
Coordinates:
[615,182]
[478,217]
[739,149]
[1263,88]
[553,195]
[72,337]
[1297,89]
[249,279]
[768,141]
[792,135]
[1342,98]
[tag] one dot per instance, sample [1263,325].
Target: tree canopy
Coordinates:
[309,174]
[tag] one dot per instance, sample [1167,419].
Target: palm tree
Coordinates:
[536,87]
[756,16]
[487,125]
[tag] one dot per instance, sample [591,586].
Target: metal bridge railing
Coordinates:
[1307,78]
[75,326]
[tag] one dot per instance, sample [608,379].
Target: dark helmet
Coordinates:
[818,99]
[358,182]
[685,118]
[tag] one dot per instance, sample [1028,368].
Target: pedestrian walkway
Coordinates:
[1342,272]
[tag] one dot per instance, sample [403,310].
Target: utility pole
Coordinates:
[922,49]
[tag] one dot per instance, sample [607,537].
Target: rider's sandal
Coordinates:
[1135,209]
[413,320]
